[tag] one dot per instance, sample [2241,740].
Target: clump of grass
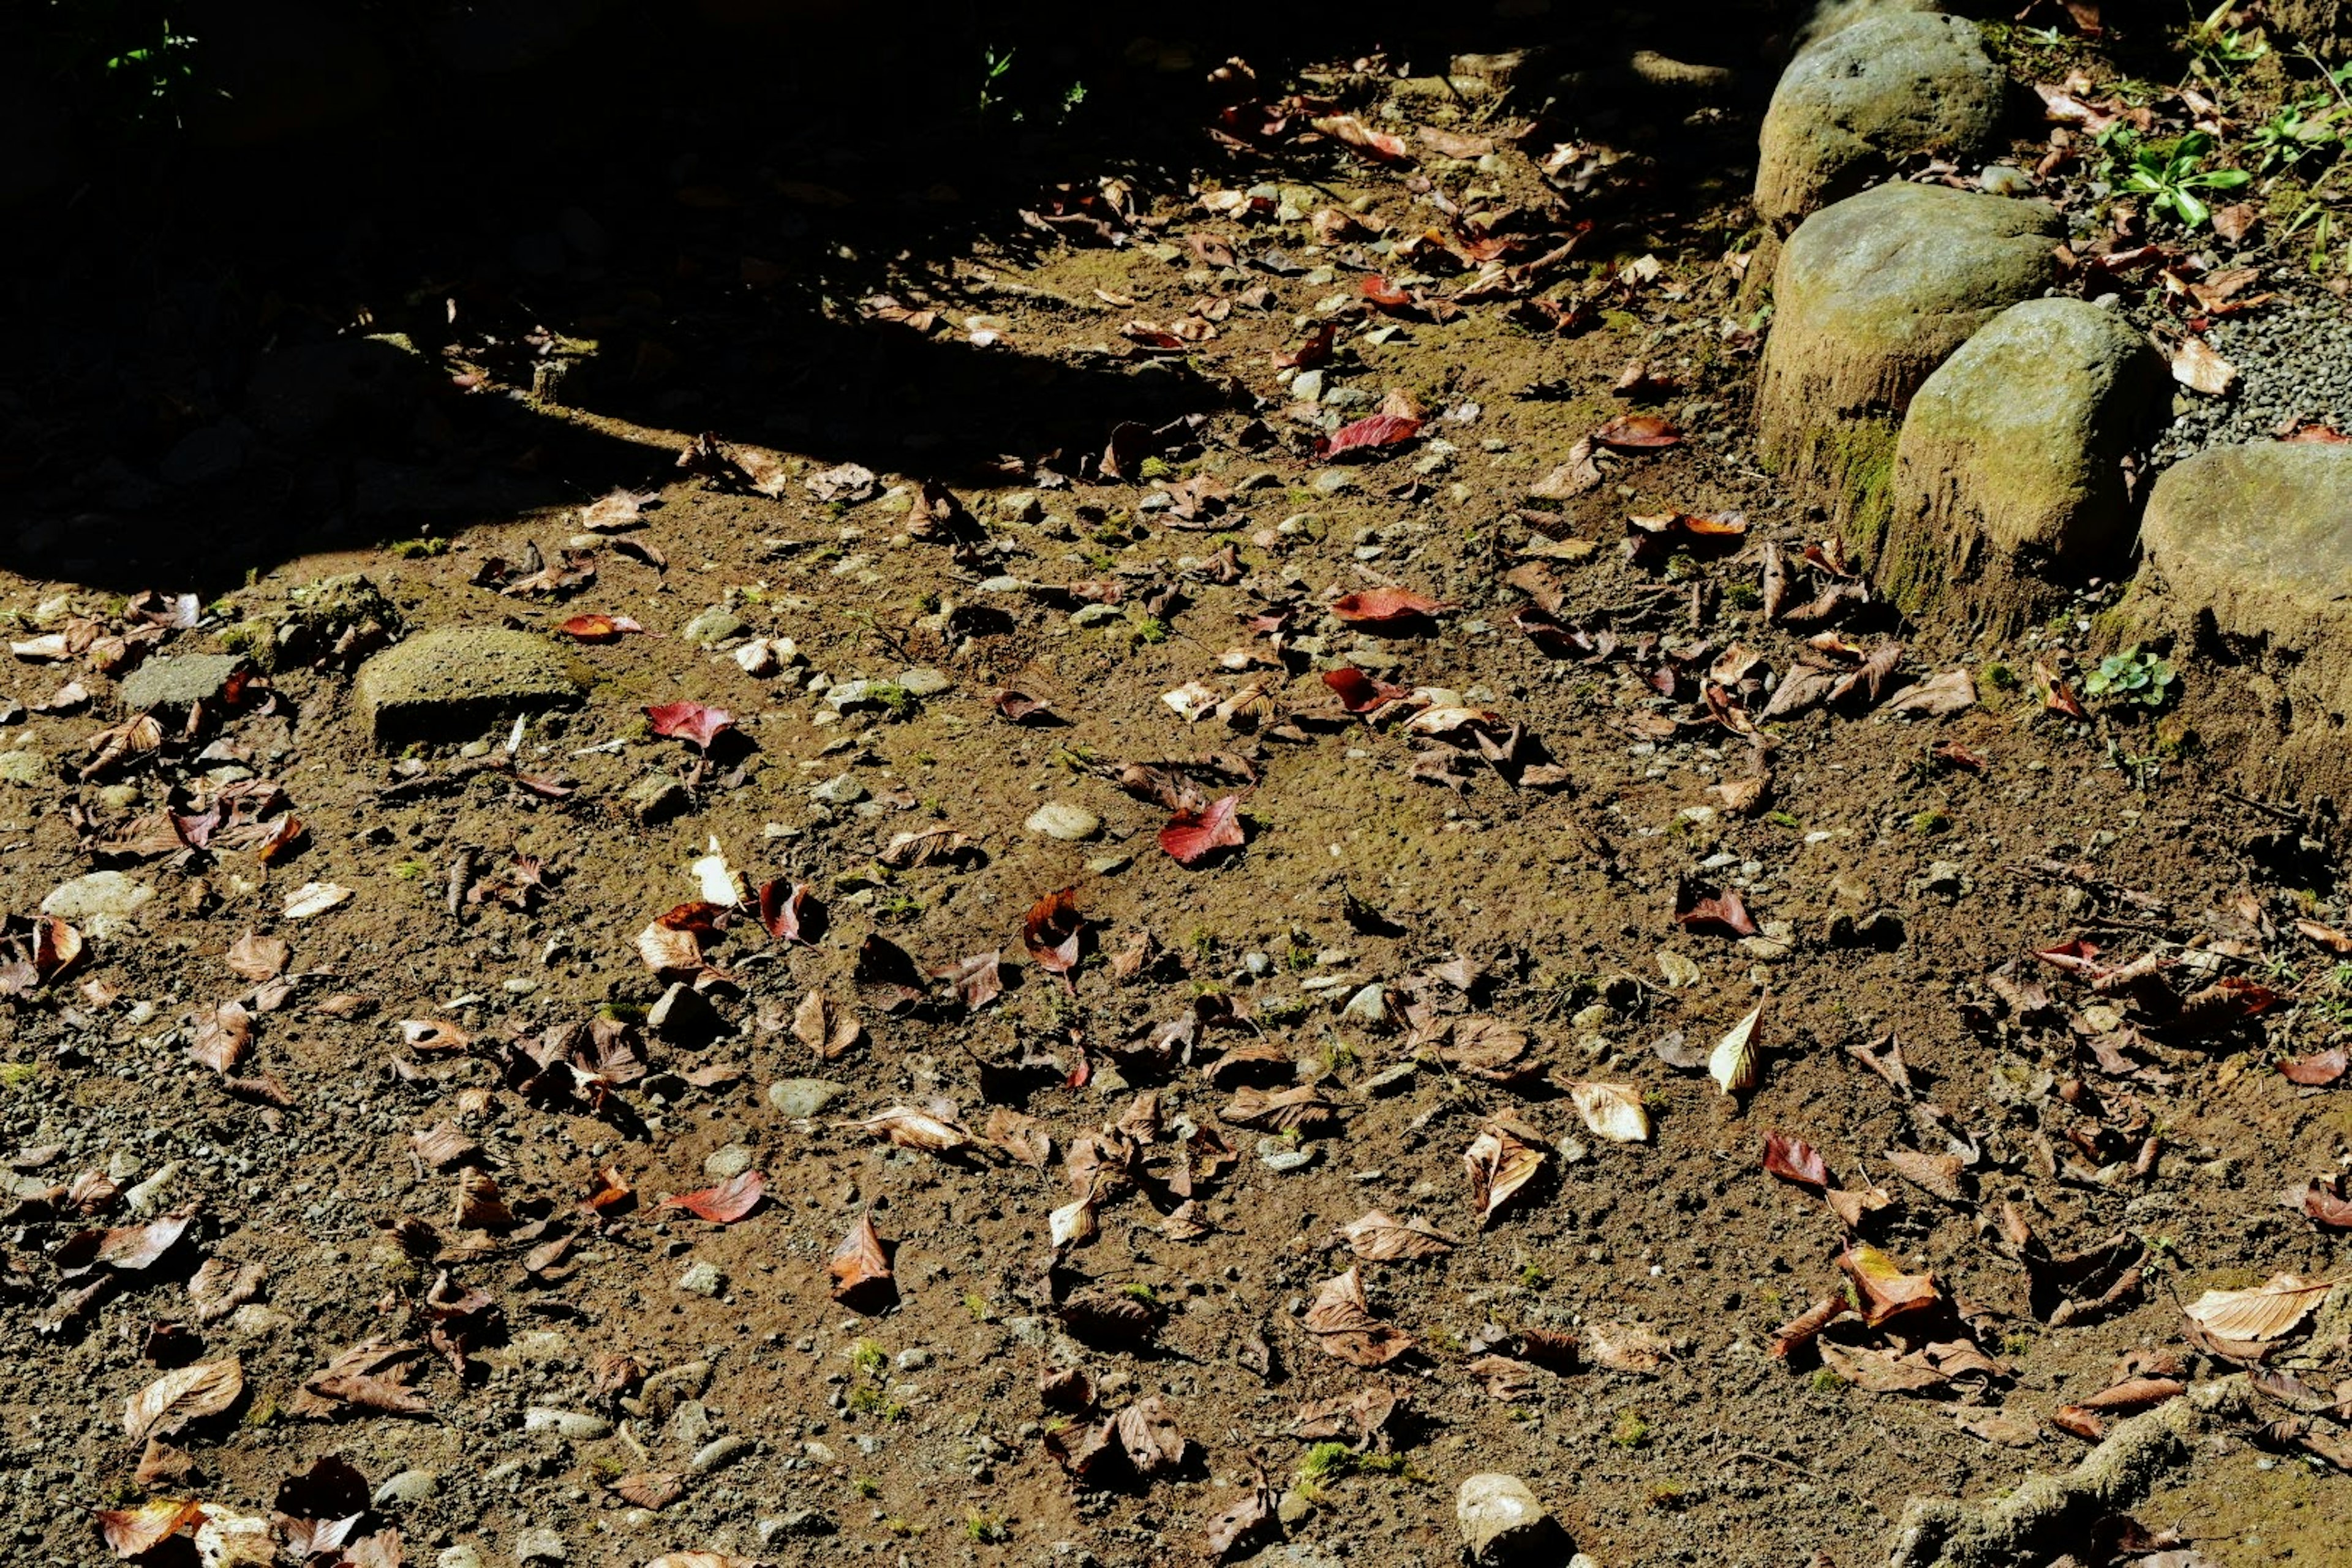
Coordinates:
[1630,1431]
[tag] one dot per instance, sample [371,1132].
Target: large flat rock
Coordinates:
[2009,476]
[454,680]
[2248,561]
[1856,101]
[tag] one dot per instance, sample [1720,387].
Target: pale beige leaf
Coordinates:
[2265,1313]
[1022,1136]
[913,1129]
[1073,1225]
[1379,1238]
[1342,1322]
[258,958]
[1625,1347]
[1732,1064]
[183,1395]
[1612,1111]
[826,1030]
[671,950]
[314,899]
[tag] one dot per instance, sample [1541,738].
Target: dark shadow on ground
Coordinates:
[705,193]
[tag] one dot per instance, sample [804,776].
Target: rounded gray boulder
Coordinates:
[1867,94]
[2009,476]
[2247,561]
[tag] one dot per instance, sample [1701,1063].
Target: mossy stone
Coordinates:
[456,679]
[2009,477]
[1867,94]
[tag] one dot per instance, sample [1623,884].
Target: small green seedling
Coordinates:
[2133,676]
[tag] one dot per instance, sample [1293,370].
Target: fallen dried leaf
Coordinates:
[1381,1239]
[859,1266]
[187,1394]
[1886,1291]
[1342,1324]
[1192,837]
[2266,1312]
[725,1204]
[692,722]
[1612,1111]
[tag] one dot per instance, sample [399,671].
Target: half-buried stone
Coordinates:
[453,681]
[1862,97]
[1871,295]
[2009,476]
[2247,561]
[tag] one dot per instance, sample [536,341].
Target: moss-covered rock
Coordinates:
[1892,84]
[453,681]
[2009,476]
[1872,294]
[2248,562]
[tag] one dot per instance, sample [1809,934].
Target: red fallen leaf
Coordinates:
[133,1531]
[1794,1160]
[1638,433]
[1384,607]
[860,1266]
[725,1204]
[599,627]
[2321,433]
[2073,955]
[1726,912]
[1368,433]
[2324,1201]
[1051,932]
[1375,145]
[690,721]
[1316,349]
[1384,294]
[2317,1070]
[1359,692]
[1192,836]
[797,916]
[1952,755]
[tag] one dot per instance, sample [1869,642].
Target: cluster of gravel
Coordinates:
[2294,367]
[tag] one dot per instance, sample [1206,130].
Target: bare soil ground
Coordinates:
[2073,1148]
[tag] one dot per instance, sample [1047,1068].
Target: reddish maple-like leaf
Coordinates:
[1051,932]
[1726,912]
[797,916]
[2323,434]
[1638,433]
[1368,433]
[725,1204]
[599,627]
[860,1266]
[1385,607]
[1794,1160]
[1359,692]
[690,721]
[1385,294]
[1194,836]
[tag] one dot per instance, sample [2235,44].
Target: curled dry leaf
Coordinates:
[1249,1523]
[694,723]
[1381,1239]
[443,1147]
[599,627]
[315,898]
[1385,607]
[480,1207]
[913,1129]
[1634,1348]
[1806,1326]
[2266,1312]
[1020,1135]
[2317,1070]
[1051,932]
[135,1247]
[1794,1160]
[1732,1064]
[258,958]
[1885,1290]
[1638,433]
[795,916]
[829,1032]
[135,1531]
[1342,1324]
[1194,838]
[1369,434]
[187,1394]
[2323,1199]
[860,1267]
[725,1204]
[1702,909]
[1612,1111]
[928,846]
[219,1288]
[222,1040]
[1500,1164]
[651,1489]
[1302,1109]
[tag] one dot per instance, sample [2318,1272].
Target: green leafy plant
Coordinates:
[984,1528]
[2171,174]
[2295,132]
[2134,676]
